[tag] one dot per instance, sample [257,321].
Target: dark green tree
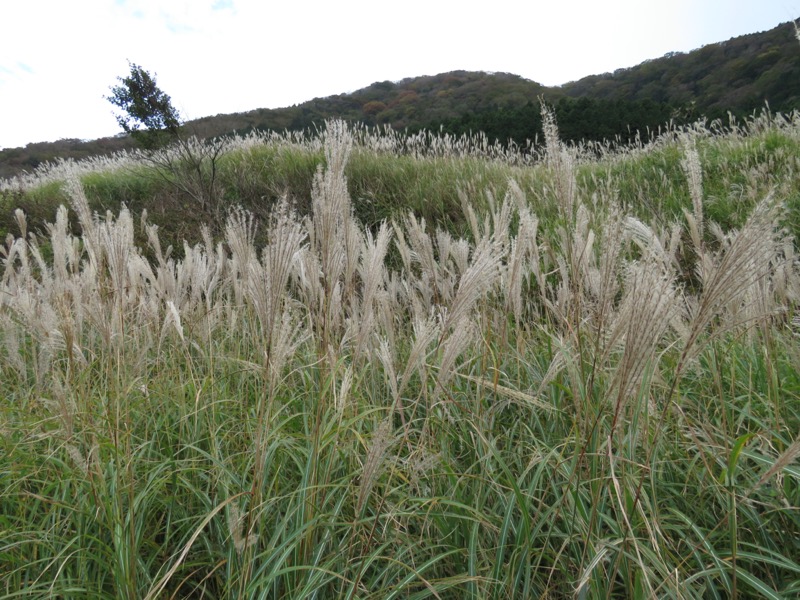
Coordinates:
[188,163]
[148,115]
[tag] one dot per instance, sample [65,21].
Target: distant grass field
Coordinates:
[380,367]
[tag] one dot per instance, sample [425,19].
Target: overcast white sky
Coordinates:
[58,58]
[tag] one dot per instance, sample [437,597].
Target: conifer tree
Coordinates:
[149,116]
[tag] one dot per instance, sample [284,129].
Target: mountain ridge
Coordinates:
[736,76]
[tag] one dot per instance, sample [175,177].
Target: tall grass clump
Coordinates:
[563,393]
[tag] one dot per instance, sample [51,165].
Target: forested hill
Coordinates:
[737,76]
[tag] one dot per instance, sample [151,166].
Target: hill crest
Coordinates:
[739,76]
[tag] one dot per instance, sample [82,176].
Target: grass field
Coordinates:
[406,368]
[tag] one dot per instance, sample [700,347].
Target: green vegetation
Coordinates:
[573,377]
[148,115]
[738,75]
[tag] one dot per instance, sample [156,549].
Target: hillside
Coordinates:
[739,75]
[373,374]
[736,76]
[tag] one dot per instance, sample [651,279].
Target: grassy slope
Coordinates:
[382,186]
[410,422]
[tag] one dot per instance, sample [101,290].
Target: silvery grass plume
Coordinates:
[786,458]
[240,231]
[480,276]
[749,258]
[664,247]
[328,268]
[331,203]
[116,241]
[761,298]
[523,255]
[236,523]
[450,286]
[382,440]
[69,430]
[372,274]
[441,275]
[646,311]
[695,220]
[561,163]
[268,283]
[341,400]
[426,333]
[585,296]
[117,285]
[12,350]
[418,465]
[386,356]
[27,301]
[88,221]
[391,314]
[694,175]
[453,345]
[66,247]
[497,223]
[602,274]
[266,296]
[432,281]
[566,299]
[786,280]
[64,169]
[48,301]
[197,285]
[108,245]
[663,252]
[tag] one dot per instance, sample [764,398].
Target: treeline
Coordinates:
[16,160]
[738,75]
[584,119]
